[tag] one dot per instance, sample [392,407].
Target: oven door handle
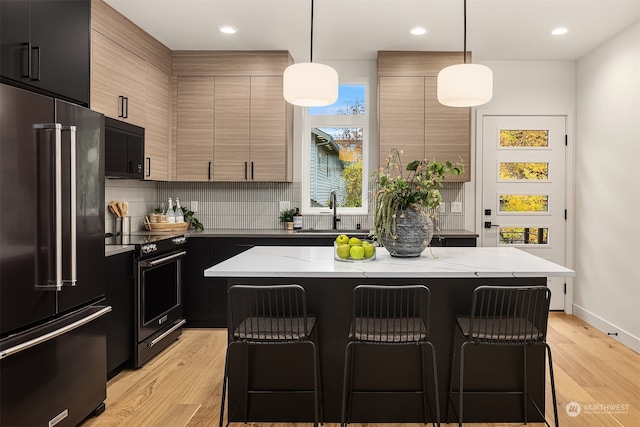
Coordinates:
[156,262]
[166,333]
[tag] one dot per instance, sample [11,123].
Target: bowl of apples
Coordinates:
[353,249]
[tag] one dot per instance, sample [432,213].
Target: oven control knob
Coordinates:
[179,240]
[148,248]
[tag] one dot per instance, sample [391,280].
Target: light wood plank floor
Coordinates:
[181,387]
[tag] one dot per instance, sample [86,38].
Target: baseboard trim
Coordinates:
[608,328]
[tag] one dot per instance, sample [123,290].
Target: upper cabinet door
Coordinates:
[401,116]
[194,141]
[447,132]
[117,81]
[231,129]
[156,136]
[269,147]
[15,38]
[45,45]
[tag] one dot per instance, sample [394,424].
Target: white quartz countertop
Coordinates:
[295,261]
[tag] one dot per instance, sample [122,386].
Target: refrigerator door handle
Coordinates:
[73,280]
[53,334]
[56,284]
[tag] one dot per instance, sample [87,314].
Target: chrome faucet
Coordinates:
[333,204]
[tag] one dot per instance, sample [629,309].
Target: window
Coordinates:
[336,152]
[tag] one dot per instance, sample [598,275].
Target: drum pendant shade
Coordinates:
[465,85]
[310,84]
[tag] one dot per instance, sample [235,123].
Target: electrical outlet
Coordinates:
[194,206]
[456,207]
[285,205]
[443,207]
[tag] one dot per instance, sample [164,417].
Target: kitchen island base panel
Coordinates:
[331,301]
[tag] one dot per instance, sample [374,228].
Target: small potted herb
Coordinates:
[286,217]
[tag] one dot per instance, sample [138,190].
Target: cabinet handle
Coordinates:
[148,166]
[251,171]
[27,53]
[126,111]
[245,171]
[209,171]
[37,49]
[121,107]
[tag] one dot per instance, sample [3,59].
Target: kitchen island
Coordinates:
[450,273]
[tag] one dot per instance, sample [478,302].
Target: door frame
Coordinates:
[478,120]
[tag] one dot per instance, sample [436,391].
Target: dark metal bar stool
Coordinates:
[390,315]
[272,315]
[506,316]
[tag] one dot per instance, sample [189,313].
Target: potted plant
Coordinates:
[286,216]
[406,198]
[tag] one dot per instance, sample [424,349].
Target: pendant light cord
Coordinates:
[465,30]
[311,48]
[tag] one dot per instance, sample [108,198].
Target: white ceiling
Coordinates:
[357,29]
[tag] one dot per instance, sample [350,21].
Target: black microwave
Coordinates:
[124,149]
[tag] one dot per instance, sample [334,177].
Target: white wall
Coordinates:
[607,291]
[522,87]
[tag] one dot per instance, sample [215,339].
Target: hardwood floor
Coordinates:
[181,387]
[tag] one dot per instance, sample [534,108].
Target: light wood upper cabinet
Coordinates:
[269,153]
[401,119]
[157,107]
[410,116]
[194,133]
[231,143]
[447,131]
[117,81]
[250,126]
[131,81]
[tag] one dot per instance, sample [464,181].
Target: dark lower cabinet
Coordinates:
[45,47]
[451,242]
[205,299]
[120,322]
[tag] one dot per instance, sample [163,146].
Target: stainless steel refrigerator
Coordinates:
[52,338]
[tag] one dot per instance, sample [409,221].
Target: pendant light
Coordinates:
[310,84]
[465,85]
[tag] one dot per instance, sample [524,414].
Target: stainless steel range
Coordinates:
[158,291]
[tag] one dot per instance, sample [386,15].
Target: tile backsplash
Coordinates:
[239,205]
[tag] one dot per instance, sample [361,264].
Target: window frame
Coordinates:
[336,121]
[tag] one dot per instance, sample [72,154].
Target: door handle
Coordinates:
[36,79]
[487,224]
[55,283]
[73,226]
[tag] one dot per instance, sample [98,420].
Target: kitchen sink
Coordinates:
[330,232]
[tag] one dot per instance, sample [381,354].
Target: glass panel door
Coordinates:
[523,161]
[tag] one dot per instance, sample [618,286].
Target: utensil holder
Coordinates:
[123,226]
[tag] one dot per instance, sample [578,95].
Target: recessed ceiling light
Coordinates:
[559,31]
[227,29]
[418,31]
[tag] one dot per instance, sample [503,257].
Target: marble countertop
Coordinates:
[295,261]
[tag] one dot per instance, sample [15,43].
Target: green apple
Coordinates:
[356,252]
[354,241]
[343,251]
[369,249]
[342,239]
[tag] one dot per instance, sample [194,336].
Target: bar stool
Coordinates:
[390,315]
[272,315]
[506,316]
